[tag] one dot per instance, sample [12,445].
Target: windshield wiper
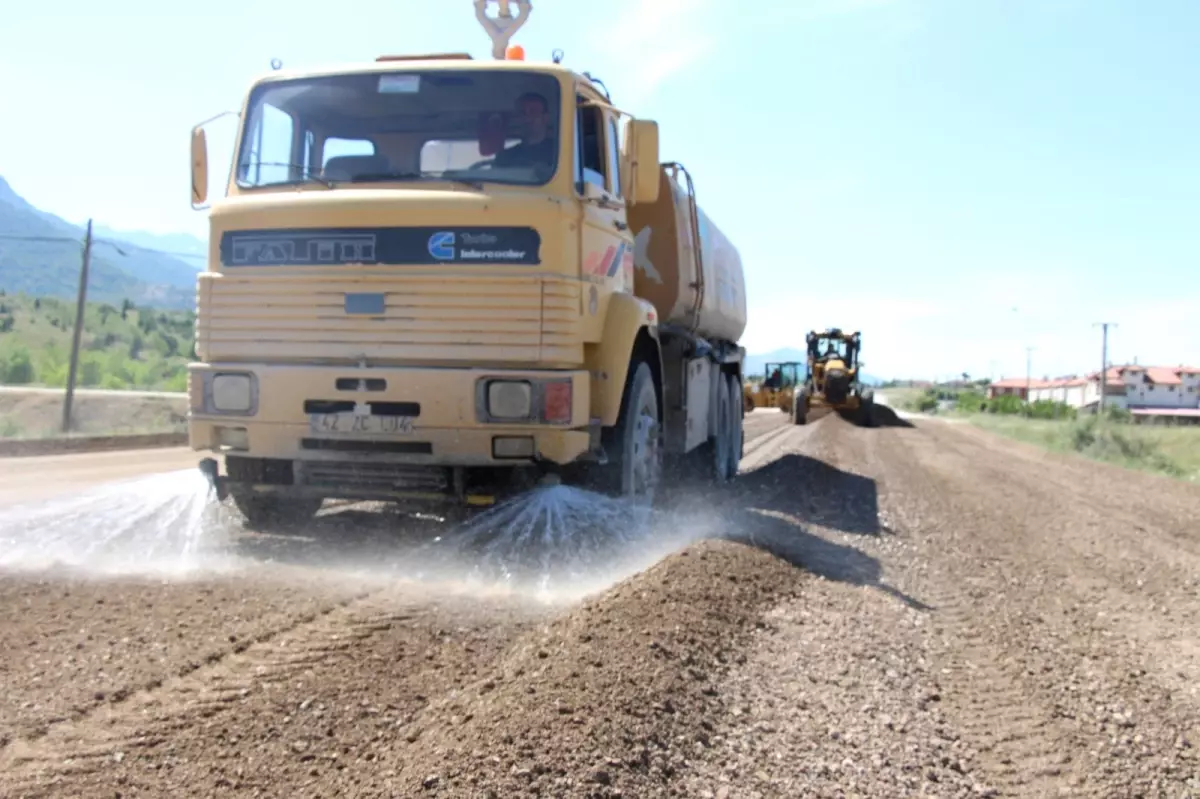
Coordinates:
[367,177]
[327,182]
[307,176]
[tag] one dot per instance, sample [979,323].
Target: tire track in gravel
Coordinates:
[1149,591]
[1041,691]
[767,446]
[1024,749]
[146,716]
[1019,742]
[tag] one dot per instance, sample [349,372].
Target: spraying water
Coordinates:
[559,542]
[153,525]
[555,542]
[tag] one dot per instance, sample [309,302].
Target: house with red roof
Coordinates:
[1145,391]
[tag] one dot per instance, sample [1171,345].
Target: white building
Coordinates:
[1146,391]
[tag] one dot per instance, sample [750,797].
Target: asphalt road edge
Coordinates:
[66,445]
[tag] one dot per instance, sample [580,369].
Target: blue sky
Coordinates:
[959,179]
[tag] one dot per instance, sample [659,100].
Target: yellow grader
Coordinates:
[834,379]
[776,390]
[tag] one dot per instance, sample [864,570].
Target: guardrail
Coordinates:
[68,445]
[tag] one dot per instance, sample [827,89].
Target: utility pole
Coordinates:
[1028,371]
[1103,361]
[80,306]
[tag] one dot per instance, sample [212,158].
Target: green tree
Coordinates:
[90,372]
[17,368]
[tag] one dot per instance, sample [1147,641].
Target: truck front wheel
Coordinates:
[637,440]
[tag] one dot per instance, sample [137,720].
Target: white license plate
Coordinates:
[359,424]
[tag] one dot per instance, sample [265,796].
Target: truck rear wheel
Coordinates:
[737,442]
[266,511]
[727,444]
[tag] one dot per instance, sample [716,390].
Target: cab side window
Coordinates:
[590,164]
[614,157]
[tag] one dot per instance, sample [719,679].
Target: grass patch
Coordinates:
[905,399]
[122,347]
[1163,449]
[26,415]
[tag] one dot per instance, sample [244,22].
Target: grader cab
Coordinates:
[776,389]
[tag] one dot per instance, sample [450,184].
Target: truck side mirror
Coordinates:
[641,156]
[199,167]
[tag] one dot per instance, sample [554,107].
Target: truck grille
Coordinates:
[431,318]
[375,476]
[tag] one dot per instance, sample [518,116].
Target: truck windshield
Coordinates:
[460,125]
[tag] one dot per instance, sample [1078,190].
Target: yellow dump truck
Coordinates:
[440,279]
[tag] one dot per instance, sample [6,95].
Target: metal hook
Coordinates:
[502,27]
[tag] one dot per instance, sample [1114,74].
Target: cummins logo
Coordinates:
[441,245]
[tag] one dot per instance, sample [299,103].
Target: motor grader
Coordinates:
[777,388]
[834,379]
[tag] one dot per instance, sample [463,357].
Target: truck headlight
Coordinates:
[231,393]
[509,399]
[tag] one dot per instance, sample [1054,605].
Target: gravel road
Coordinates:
[916,609]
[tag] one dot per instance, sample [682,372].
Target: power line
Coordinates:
[116,245]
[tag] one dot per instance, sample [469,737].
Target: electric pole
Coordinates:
[1028,371]
[80,307]
[1103,361]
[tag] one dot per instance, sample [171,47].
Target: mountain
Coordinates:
[182,244]
[756,364]
[40,255]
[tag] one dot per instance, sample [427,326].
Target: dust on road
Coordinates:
[899,611]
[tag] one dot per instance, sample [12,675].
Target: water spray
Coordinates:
[165,524]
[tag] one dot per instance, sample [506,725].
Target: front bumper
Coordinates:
[282,445]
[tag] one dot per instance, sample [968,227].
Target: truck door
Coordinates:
[607,244]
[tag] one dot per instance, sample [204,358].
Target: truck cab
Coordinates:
[421,287]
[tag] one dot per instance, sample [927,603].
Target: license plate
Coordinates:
[359,424]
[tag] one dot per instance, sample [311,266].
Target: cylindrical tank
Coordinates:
[666,271]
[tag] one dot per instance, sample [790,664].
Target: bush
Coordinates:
[17,368]
[1099,439]
[1116,414]
[1006,404]
[971,402]
[90,370]
[176,382]
[1049,409]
